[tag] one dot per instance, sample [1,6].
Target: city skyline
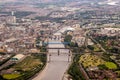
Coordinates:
[60,40]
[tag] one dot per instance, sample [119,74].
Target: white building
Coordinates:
[18,57]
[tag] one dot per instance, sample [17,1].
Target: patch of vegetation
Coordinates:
[28,67]
[28,64]
[43,49]
[110,65]
[74,69]
[118,72]
[102,67]
[90,47]
[89,60]
[94,48]
[68,38]
[106,57]
[41,57]
[20,14]
[57,20]
[110,44]
[73,45]
[2,53]
[11,76]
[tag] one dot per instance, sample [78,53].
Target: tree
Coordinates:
[68,38]
[90,47]
[102,67]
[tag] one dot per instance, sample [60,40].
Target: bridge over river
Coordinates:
[58,62]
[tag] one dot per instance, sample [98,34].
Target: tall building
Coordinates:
[12,13]
[12,18]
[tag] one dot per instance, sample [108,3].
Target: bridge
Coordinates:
[57,43]
[58,58]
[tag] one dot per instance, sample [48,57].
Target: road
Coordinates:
[83,72]
[57,65]
[99,45]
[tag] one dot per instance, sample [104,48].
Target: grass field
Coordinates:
[110,65]
[26,68]
[28,63]
[89,60]
[11,76]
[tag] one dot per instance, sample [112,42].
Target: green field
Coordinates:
[28,63]
[110,65]
[89,60]
[11,76]
[26,68]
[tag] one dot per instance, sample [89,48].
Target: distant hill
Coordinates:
[45,0]
[101,2]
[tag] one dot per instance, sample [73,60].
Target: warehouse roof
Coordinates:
[18,56]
